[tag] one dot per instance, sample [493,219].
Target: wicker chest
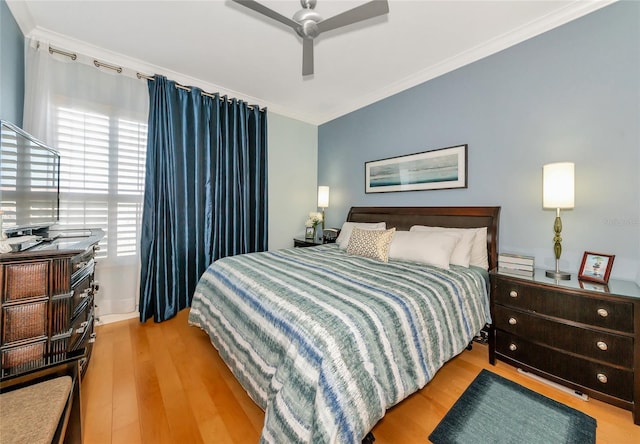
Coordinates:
[47,301]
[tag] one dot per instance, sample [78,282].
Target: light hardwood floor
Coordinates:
[165,383]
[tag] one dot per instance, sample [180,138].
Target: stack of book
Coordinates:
[515,264]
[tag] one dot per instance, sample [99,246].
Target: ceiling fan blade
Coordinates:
[252,4]
[307,57]
[369,10]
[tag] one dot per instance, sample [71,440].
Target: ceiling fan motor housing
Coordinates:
[308,19]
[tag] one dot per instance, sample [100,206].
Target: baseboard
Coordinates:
[109,319]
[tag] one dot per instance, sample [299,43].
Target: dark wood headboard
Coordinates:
[402,218]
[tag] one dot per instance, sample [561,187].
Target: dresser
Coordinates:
[47,302]
[582,335]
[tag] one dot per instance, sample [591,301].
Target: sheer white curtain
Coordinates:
[97,120]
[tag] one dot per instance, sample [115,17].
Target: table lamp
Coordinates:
[558,193]
[323,200]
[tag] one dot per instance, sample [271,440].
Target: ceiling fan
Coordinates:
[308,24]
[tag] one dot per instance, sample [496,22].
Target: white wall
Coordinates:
[293,165]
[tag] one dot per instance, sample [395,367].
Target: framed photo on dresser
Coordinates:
[596,267]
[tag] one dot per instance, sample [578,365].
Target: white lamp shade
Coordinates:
[558,185]
[323,197]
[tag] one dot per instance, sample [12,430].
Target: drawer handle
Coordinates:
[602,378]
[513,294]
[513,321]
[602,312]
[513,347]
[602,345]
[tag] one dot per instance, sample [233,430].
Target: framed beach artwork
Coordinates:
[439,169]
[596,267]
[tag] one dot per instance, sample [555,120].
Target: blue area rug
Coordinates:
[495,410]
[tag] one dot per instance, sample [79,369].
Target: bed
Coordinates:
[325,341]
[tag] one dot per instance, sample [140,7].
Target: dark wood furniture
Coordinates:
[301,242]
[47,302]
[403,218]
[578,334]
[29,397]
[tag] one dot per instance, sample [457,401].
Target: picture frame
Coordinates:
[439,169]
[596,267]
[309,232]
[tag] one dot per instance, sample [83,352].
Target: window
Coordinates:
[102,177]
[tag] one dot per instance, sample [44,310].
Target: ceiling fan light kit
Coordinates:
[308,24]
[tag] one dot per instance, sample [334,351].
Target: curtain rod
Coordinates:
[74,56]
[71,55]
[118,69]
[186,88]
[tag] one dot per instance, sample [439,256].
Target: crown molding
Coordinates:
[131,66]
[573,11]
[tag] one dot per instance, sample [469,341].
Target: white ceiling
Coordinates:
[223,47]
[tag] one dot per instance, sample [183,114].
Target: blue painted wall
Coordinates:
[571,94]
[11,67]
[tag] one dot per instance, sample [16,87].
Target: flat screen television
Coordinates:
[29,182]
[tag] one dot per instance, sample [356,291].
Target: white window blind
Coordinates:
[102,177]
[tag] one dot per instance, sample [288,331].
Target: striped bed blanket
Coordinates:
[325,342]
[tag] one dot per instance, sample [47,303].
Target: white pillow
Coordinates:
[347,228]
[478,253]
[428,247]
[462,253]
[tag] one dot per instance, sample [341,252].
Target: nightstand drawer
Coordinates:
[614,315]
[595,344]
[594,375]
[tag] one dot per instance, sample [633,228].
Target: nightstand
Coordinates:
[581,335]
[301,242]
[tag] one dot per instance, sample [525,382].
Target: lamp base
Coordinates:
[562,275]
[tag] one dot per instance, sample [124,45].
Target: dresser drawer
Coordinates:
[22,358]
[590,374]
[25,280]
[605,313]
[82,292]
[82,326]
[608,347]
[24,321]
